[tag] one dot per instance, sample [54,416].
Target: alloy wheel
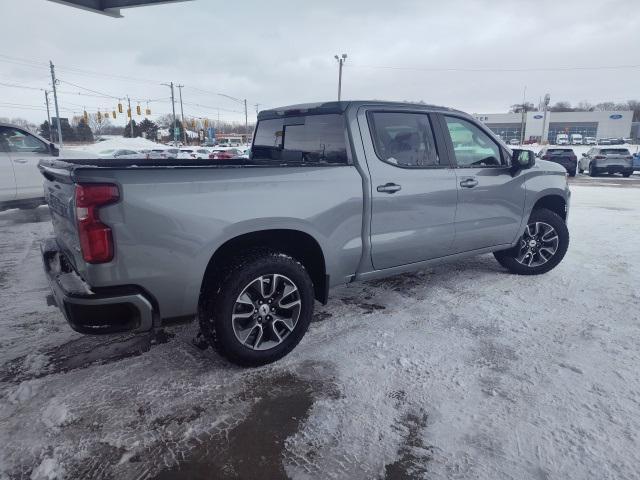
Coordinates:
[266,311]
[538,244]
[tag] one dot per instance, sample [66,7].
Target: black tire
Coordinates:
[580,170]
[507,258]
[218,300]
[627,174]
[592,171]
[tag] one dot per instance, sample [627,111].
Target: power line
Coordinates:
[500,70]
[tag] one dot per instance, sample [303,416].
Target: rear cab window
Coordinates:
[305,140]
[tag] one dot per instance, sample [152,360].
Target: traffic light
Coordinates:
[99,116]
[113,114]
[138,110]
[119,108]
[129,112]
[147,111]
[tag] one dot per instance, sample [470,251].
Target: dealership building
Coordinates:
[612,124]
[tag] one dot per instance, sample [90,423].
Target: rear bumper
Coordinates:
[612,169]
[94,311]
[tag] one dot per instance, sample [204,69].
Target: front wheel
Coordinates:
[542,246]
[260,310]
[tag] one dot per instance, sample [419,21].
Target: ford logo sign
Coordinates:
[615,117]
[537,116]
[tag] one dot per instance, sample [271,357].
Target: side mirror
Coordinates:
[55,151]
[522,160]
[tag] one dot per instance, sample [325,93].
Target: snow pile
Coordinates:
[49,469]
[137,143]
[23,393]
[56,415]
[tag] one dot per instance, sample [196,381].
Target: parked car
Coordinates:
[121,153]
[576,139]
[590,141]
[627,140]
[636,161]
[562,139]
[20,152]
[606,160]
[187,154]
[604,141]
[202,153]
[225,153]
[514,141]
[562,156]
[334,193]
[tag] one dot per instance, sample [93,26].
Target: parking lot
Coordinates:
[459,371]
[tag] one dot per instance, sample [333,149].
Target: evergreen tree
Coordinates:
[68,133]
[83,132]
[136,130]
[149,128]
[45,130]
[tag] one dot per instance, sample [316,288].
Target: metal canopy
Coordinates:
[111,8]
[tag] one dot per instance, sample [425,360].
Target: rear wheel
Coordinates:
[542,246]
[260,310]
[627,174]
[592,171]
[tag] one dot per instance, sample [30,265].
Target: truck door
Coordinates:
[490,198]
[413,188]
[26,151]
[7,177]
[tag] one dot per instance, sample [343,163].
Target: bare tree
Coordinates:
[99,124]
[27,125]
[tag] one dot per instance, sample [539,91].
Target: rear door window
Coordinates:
[314,139]
[404,139]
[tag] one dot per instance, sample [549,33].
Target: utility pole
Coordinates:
[130,113]
[55,100]
[524,113]
[257,108]
[341,61]
[173,109]
[184,130]
[246,120]
[46,100]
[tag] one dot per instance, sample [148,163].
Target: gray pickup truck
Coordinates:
[332,193]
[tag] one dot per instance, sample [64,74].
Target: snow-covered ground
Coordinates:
[459,371]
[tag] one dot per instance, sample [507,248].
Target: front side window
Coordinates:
[472,146]
[15,140]
[315,139]
[404,139]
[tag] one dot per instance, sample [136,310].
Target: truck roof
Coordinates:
[319,108]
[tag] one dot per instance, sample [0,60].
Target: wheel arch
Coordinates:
[554,202]
[296,243]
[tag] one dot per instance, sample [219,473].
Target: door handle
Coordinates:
[469,183]
[389,188]
[20,160]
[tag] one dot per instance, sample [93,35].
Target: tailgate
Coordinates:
[59,192]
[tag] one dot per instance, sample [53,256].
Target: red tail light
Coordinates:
[599,157]
[96,240]
[212,156]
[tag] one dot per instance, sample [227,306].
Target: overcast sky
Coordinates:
[281,52]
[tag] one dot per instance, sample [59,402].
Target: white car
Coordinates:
[514,141]
[20,152]
[123,153]
[590,141]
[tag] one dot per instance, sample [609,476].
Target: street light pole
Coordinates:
[341,61]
